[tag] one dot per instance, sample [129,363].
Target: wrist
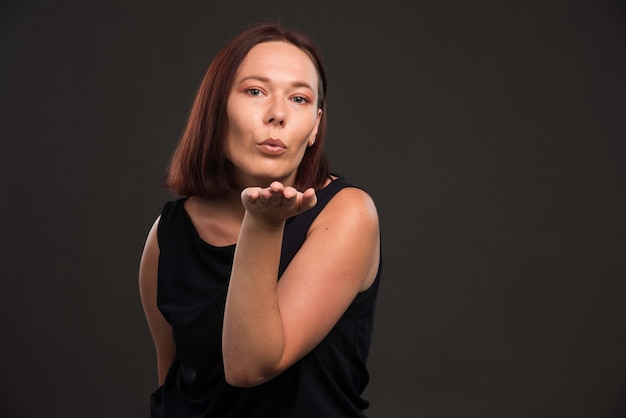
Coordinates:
[262,223]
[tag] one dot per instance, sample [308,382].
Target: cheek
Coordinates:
[235,138]
[227,147]
[240,123]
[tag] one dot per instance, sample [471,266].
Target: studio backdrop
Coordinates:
[490,135]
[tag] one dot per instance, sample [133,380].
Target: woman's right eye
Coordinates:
[254,92]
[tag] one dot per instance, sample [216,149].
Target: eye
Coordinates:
[253,92]
[301,100]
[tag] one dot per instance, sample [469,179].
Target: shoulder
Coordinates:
[152,240]
[351,206]
[347,232]
[171,214]
[173,205]
[352,197]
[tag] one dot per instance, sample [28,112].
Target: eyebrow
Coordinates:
[267,80]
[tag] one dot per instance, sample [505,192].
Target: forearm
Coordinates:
[253,334]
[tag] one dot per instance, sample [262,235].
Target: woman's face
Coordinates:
[272,114]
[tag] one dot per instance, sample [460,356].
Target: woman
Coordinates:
[259,281]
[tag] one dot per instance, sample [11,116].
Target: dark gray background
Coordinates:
[491,135]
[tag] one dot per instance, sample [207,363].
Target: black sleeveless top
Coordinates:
[192,283]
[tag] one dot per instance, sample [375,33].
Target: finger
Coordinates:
[309,199]
[251,194]
[276,186]
[289,193]
[267,194]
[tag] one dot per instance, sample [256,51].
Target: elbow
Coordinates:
[249,368]
[243,377]
[240,380]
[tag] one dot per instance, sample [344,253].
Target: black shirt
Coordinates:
[192,283]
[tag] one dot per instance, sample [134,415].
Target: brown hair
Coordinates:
[199,165]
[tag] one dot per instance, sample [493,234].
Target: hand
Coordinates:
[274,204]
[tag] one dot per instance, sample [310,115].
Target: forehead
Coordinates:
[278,59]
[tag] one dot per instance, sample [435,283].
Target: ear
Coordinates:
[313,135]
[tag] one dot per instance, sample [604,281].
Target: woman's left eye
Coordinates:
[300,100]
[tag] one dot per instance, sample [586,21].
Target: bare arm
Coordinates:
[159,328]
[269,325]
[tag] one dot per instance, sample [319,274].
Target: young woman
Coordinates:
[259,281]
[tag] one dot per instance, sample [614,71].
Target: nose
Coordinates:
[276,112]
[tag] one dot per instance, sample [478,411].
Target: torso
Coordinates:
[193,282]
[218,221]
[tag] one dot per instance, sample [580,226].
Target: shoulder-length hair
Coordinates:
[199,165]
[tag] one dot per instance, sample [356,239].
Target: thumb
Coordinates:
[308,200]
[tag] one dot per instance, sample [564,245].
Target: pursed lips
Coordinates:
[272,146]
